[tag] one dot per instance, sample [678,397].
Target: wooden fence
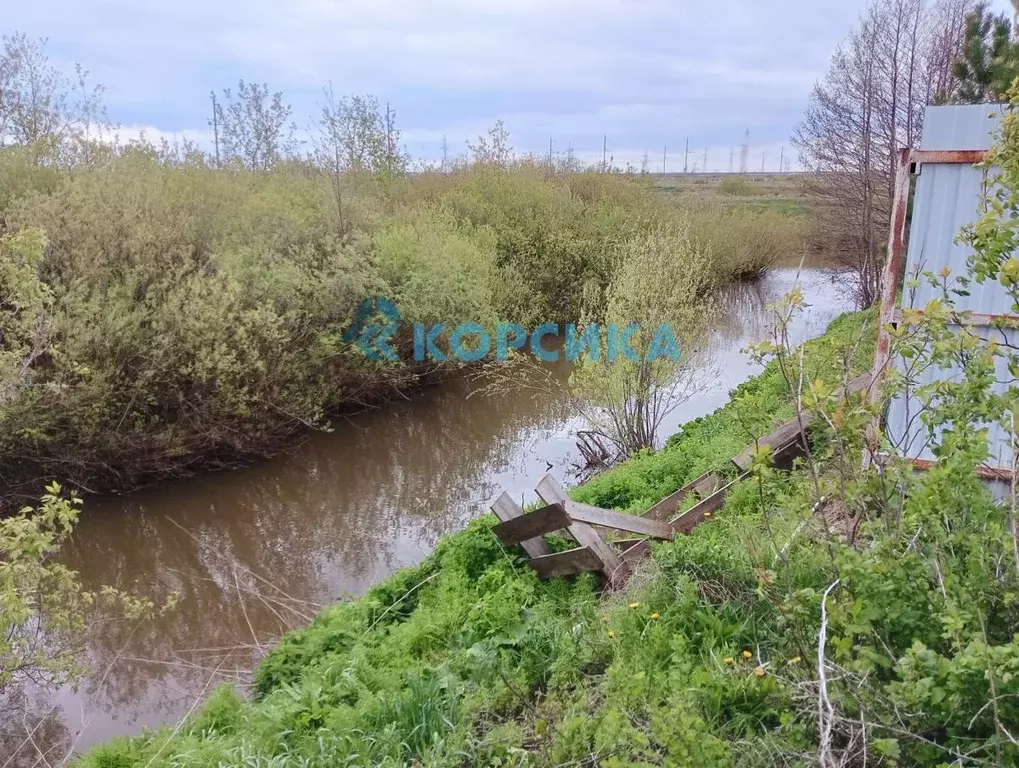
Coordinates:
[613,558]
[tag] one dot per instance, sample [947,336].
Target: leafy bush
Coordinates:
[737,186]
[176,316]
[44,611]
[745,242]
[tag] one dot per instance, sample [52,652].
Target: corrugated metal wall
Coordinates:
[947,197]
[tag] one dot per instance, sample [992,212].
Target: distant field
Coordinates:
[780,192]
[779,197]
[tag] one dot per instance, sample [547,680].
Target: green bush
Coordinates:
[745,242]
[186,317]
[737,186]
[177,317]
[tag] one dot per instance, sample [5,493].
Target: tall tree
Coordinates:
[493,148]
[63,120]
[989,60]
[354,137]
[948,31]
[33,94]
[869,105]
[255,127]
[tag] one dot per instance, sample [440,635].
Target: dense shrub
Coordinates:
[173,317]
[747,242]
[737,186]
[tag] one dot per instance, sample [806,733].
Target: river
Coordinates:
[256,551]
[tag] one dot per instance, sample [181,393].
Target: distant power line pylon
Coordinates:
[744,155]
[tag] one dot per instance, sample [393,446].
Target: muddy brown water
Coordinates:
[256,551]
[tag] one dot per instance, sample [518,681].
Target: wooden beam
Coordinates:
[618,521]
[889,292]
[709,482]
[637,552]
[695,515]
[971,319]
[787,435]
[781,436]
[579,560]
[612,566]
[506,509]
[952,156]
[532,525]
[983,470]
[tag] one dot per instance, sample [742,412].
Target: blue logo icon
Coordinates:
[371,336]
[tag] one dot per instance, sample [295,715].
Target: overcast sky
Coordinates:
[646,73]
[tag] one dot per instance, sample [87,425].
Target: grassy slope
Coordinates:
[469,660]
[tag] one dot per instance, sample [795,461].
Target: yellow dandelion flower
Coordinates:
[611,633]
[795,660]
[747,655]
[707,515]
[760,672]
[655,616]
[635,605]
[729,660]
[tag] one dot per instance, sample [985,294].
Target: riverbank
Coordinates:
[168,318]
[468,659]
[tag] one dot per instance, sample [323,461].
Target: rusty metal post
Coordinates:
[889,291]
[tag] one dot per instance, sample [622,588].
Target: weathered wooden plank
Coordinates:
[788,437]
[579,560]
[695,515]
[784,434]
[618,521]
[612,565]
[532,525]
[707,483]
[626,544]
[637,552]
[507,509]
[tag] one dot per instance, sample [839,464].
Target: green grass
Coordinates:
[780,192]
[470,660]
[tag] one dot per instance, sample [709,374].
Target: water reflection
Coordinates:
[255,551]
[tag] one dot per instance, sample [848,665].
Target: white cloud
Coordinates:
[642,71]
[125,134]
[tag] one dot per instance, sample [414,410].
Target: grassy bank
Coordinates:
[161,316]
[469,660]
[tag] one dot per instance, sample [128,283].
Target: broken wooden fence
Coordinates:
[614,558]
